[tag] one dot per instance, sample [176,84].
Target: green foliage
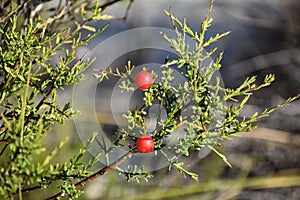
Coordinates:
[214,111]
[133,173]
[29,85]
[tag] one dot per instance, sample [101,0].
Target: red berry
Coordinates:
[145,144]
[143,80]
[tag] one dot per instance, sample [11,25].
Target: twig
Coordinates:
[4,142]
[209,10]
[12,12]
[109,3]
[98,173]
[124,18]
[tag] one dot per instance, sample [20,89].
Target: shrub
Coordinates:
[29,93]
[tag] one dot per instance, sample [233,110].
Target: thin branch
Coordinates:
[209,10]
[124,18]
[11,13]
[109,3]
[3,149]
[61,176]
[4,142]
[98,173]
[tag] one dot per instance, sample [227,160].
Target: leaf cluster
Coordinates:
[30,80]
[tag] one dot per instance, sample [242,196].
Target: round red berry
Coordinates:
[143,79]
[145,144]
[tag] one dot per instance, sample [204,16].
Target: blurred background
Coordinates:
[264,39]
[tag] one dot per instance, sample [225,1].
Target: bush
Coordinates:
[29,94]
